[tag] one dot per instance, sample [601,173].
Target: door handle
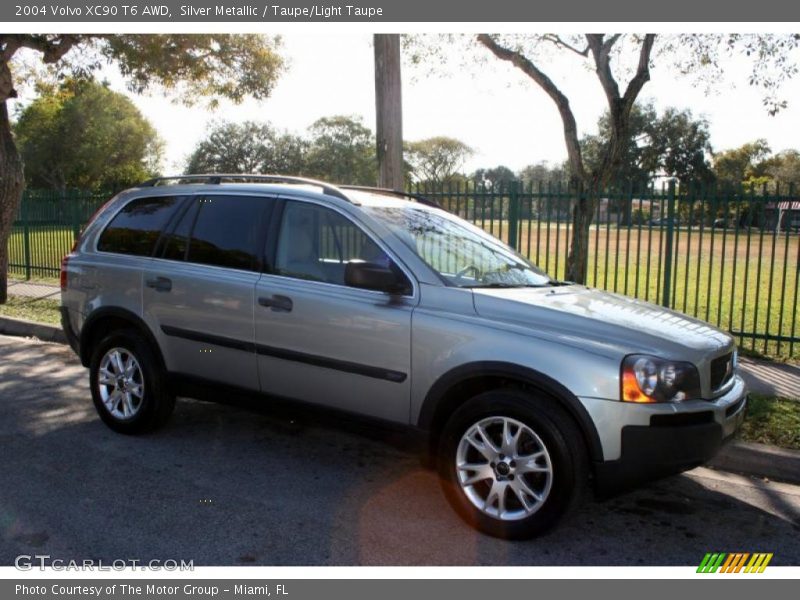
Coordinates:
[159,284]
[277,303]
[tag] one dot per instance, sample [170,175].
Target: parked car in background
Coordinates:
[528,391]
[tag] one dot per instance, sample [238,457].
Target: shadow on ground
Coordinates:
[227,486]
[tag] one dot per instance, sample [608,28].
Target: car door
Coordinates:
[199,294]
[319,340]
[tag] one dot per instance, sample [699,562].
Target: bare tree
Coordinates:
[620,103]
[632,55]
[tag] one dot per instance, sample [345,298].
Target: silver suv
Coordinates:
[375,302]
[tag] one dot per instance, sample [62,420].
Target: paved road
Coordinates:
[225,486]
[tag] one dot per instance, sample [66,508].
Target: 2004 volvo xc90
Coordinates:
[379,303]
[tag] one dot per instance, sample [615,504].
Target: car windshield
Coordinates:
[464,255]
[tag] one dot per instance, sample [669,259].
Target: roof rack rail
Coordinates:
[217,178]
[392,192]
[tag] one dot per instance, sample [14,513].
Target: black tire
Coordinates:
[156,404]
[557,432]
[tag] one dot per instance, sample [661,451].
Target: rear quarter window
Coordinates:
[137,227]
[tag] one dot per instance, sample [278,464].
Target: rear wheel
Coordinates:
[127,384]
[512,464]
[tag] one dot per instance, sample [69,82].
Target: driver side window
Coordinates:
[316,243]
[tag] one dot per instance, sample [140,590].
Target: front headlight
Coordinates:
[652,379]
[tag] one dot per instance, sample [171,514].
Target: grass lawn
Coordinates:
[745,281]
[42,310]
[773,421]
[47,245]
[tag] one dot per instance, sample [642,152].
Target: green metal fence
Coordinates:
[730,258]
[46,226]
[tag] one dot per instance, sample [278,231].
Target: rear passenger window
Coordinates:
[137,227]
[178,243]
[224,232]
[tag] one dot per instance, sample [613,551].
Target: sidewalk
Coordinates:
[20,287]
[759,460]
[771,379]
[762,377]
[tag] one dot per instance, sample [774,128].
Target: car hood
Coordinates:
[606,322]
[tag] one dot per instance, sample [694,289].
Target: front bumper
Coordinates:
[672,442]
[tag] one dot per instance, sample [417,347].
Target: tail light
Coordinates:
[63,275]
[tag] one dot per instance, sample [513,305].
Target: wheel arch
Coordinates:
[107,319]
[464,382]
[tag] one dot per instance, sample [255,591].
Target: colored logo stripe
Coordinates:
[734,562]
[758,563]
[711,562]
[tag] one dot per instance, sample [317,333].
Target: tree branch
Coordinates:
[543,81]
[642,71]
[601,53]
[556,39]
[53,49]
[609,43]
[10,46]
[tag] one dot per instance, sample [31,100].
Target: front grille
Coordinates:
[721,370]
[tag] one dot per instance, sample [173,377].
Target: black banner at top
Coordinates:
[438,11]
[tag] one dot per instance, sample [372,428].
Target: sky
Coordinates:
[492,107]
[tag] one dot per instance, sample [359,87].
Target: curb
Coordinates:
[25,328]
[759,460]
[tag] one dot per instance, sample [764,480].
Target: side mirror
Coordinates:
[373,276]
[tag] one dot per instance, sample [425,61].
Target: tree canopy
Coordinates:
[783,167]
[494,177]
[248,147]
[195,68]
[754,163]
[736,165]
[84,135]
[436,159]
[674,144]
[543,172]
[341,149]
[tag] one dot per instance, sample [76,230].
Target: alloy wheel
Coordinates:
[504,468]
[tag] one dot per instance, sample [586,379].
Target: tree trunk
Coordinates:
[582,214]
[389,112]
[588,185]
[12,183]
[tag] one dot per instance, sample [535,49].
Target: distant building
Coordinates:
[783,215]
[609,212]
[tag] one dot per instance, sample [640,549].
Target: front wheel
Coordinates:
[127,385]
[512,464]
